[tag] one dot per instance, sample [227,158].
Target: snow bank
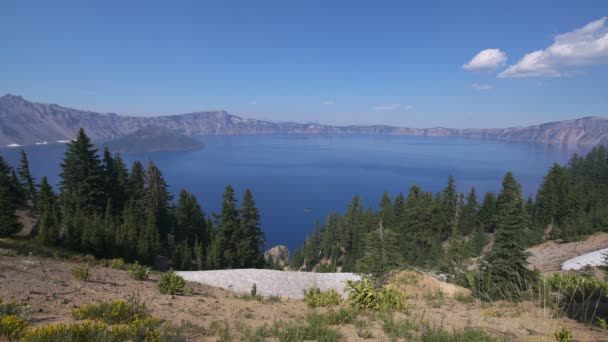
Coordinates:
[270,282]
[590,259]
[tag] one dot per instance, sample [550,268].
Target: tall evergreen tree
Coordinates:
[190,223]
[9,223]
[250,246]
[228,223]
[381,252]
[81,175]
[47,227]
[488,213]
[26,180]
[505,272]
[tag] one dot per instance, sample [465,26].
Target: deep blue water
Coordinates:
[288,173]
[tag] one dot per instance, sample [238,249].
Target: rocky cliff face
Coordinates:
[25,123]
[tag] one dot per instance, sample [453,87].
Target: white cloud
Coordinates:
[394,106]
[486,60]
[585,46]
[481,87]
[328,103]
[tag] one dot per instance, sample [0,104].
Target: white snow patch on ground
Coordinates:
[270,282]
[590,259]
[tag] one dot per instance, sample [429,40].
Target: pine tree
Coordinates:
[228,224]
[82,176]
[381,252]
[505,272]
[9,223]
[156,201]
[26,180]
[250,246]
[488,213]
[385,214]
[450,210]
[214,251]
[47,227]
[190,223]
[469,219]
[137,182]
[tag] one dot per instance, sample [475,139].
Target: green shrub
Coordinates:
[602,323]
[571,286]
[314,297]
[89,260]
[12,326]
[81,272]
[563,335]
[346,315]
[171,283]
[314,329]
[363,295]
[117,312]
[139,272]
[20,310]
[254,290]
[274,299]
[117,264]
[148,329]
[437,334]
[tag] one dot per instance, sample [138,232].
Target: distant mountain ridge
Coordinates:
[26,123]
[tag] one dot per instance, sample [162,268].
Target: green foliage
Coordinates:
[363,295]
[314,297]
[574,287]
[117,312]
[81,272]
[139,272]
[117,264]
[563,334]
[171,283]
[602,323]
[148,329]
[345,315]
[13,309]
[381,252]
[504,273]
[315,328]
[254,290]
[12,326]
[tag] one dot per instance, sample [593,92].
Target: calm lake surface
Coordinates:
[289,173]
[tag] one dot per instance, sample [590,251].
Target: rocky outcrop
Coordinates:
[26,123]
[279,255]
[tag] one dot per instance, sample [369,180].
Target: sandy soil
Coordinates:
[549,256]
[47,286]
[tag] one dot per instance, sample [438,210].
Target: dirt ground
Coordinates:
[549,256]
[47,286]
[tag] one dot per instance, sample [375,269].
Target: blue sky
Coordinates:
[336,62]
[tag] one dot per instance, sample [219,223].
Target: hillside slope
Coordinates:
[25,123]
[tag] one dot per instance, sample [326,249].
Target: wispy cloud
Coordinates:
[254,102]
[585,46]
[394,106]
[481,87]
[486,60]
[328,103]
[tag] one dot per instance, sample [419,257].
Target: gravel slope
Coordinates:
[590,259]
[270,282]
